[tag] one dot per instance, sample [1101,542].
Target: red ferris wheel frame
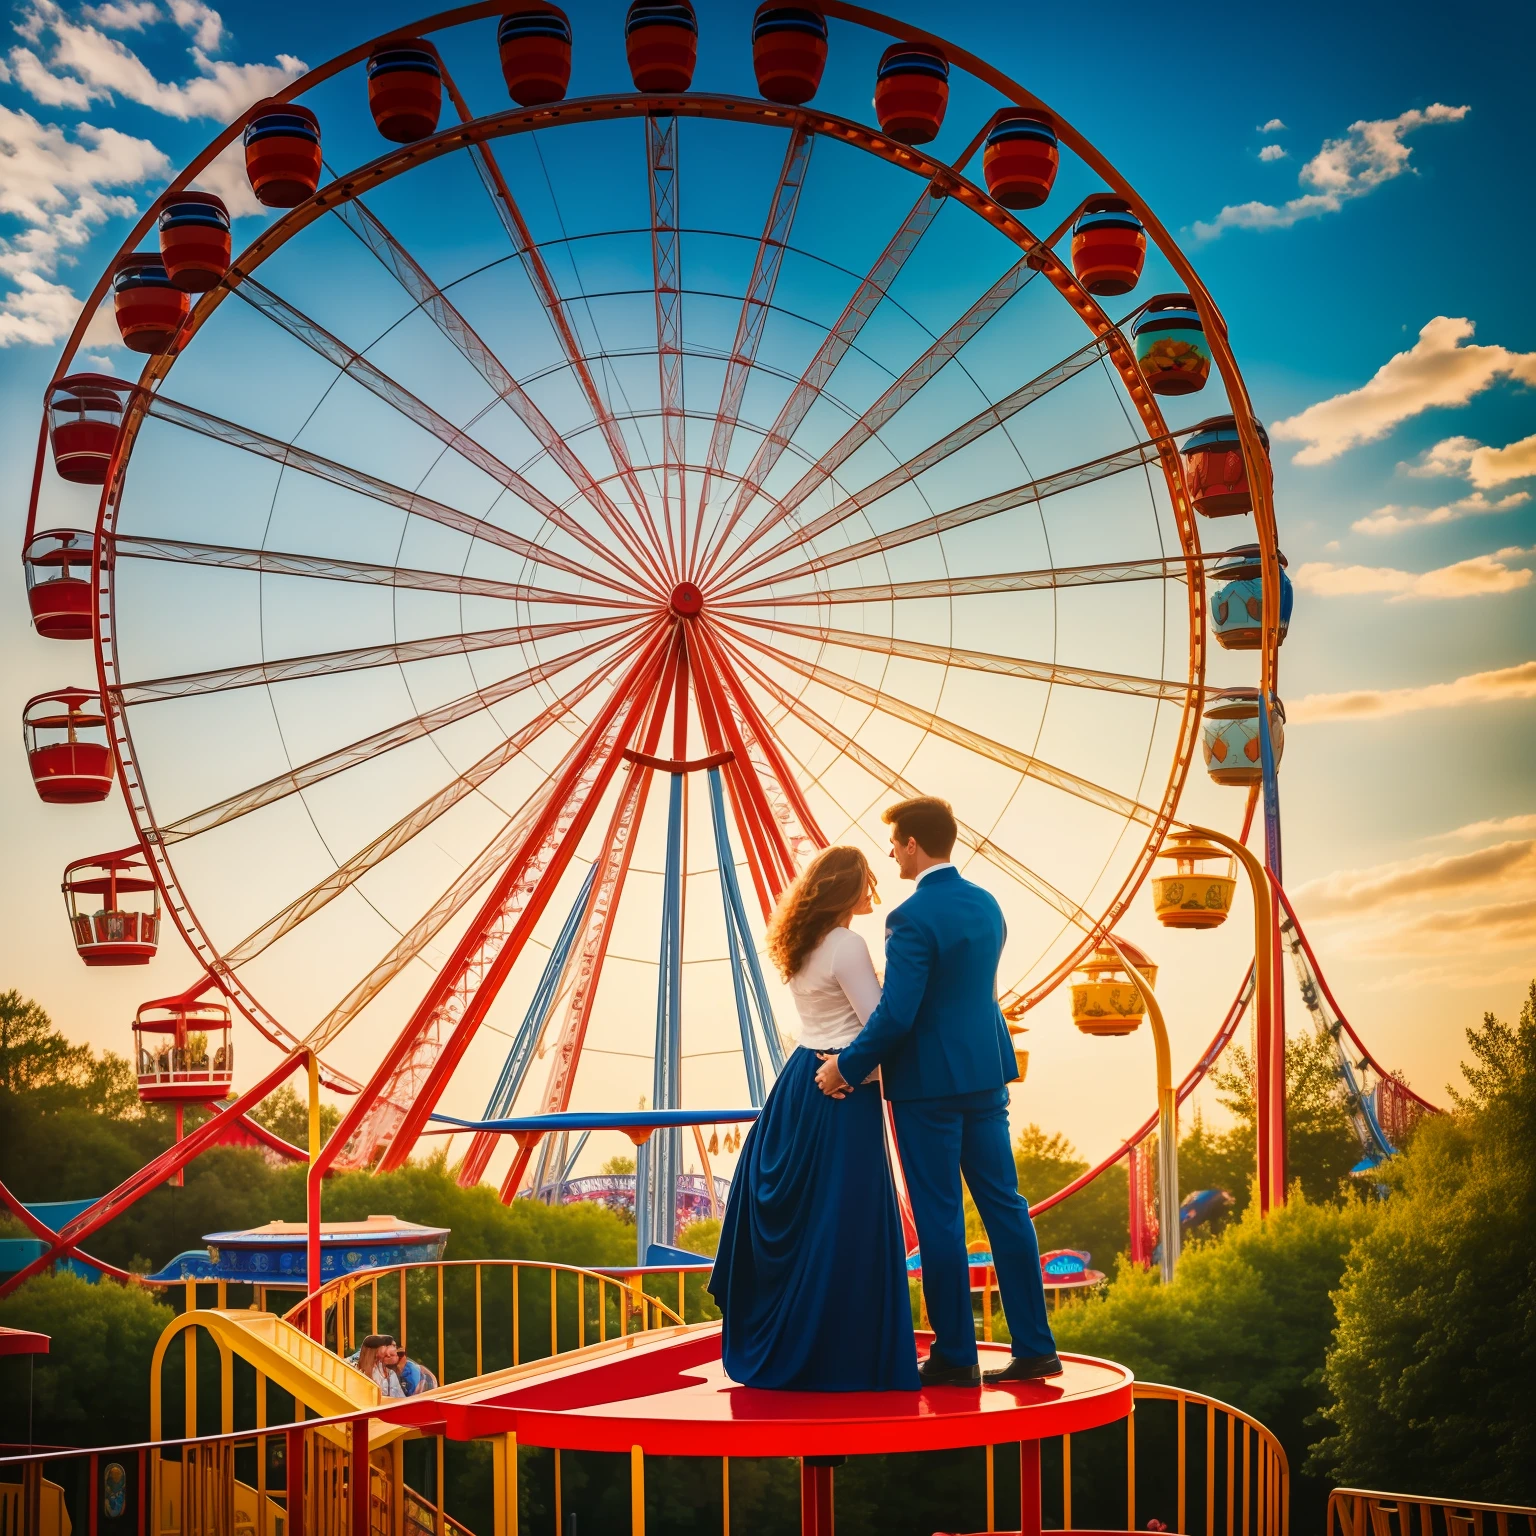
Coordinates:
[681,650]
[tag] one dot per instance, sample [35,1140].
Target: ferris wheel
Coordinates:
[562,518]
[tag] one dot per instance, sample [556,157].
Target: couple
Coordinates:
[811,1276]
[389,1368]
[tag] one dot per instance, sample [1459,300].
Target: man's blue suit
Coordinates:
[945,1058]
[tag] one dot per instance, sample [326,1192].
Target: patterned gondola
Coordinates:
[1237,606]
[149,308]
[1021,158]
[1215,471]
[661,38]
[912,92]
[535,54]
[195,240]
[789,51]
[405,90]
[1109,246]
[282,153]
[1170,345]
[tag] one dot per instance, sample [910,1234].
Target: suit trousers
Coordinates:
[939,1140]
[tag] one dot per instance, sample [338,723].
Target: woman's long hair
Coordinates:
[828,889]
[368,1355]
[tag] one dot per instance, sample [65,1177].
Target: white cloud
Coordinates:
[84,65]
[1480,576]
[1393,519]
[225,177]
[1274,125]
[1505,684]
[57,187]
[122,15]
[1360,890]
[202,21]
[1369,154]
[1475,829]
[1438,370]
[1272,152]
[1490,926]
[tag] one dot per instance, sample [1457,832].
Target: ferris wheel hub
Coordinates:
[687,600]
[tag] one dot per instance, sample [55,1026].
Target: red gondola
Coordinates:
[282,153]
[183,1051]
[789,51]
[149,307]
[113,934]
[1216,473]
[911,92]
[661,38]
[1109,246]
[58,567]
[66,741]
[1020,159]
[535,54]
[85,413]
[195,240]
[405,90]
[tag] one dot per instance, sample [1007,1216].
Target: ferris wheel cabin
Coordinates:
[67,752]
[85,414]
[1237,606]
[124,928]
[184,1051]
[58,567]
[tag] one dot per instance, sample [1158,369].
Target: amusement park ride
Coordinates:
[622,506]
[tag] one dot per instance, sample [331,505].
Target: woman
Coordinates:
[810,1274]
[376,1360]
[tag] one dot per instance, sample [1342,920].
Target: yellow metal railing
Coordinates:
[1363,1512]
[590,1306]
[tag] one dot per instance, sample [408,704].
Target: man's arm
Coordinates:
[908,959]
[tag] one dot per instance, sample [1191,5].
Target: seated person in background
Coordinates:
[414,1376]
[377,1359]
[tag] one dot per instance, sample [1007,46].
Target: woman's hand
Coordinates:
[829,1079]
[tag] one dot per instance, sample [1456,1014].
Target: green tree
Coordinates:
[1320,1141]
[92,1387]
[1430,1368]
[1247,1319]
[285,1114]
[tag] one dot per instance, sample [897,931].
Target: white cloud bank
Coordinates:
[1481,576]
[1394,519]
[1505,685]
[1368,155]
[1438,370]
[62,184]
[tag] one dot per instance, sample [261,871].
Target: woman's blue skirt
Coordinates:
[811,1275]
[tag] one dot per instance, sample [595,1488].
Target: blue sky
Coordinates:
[1350,184]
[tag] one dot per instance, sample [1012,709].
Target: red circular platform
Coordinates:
[667,1393]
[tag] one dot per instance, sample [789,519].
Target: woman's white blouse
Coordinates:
[835,991]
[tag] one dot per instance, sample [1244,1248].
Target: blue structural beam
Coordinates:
[603,1120]
[521,1052]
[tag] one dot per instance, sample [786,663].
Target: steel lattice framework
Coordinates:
[774,529]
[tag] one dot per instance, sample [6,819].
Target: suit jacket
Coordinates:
[938,1030]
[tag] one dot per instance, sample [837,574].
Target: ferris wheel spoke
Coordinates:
[359,658]
[1046,579]
[163,408]
[393,393]
[666,267]
[467,986]
[920,372]
[847,746]
[952,442]
[271,562]
[542,280]
[490,862]
[1172,689]
[1024,763]
[755,305]
[408,827]
[370,747]
[989,506]
[461,335]
[834,347]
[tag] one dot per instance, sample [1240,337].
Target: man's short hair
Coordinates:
[928,819]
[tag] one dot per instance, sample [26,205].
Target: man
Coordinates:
[414,1376]
[945,1058]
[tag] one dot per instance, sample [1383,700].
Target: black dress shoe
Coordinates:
[939,1373]
[1026,1368]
